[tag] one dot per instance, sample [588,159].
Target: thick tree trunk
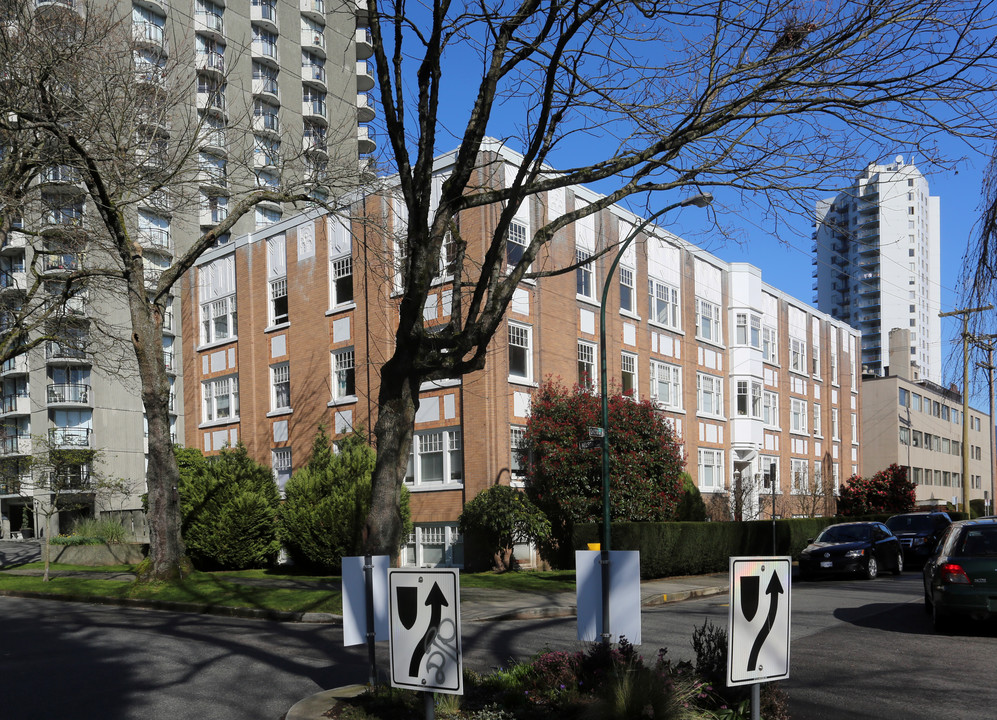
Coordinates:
[398,401]
[166,547]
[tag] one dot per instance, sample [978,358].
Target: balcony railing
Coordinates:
[70,437]
[313,72]
[60,351]
[17,364]
[313,7]
[155,237]
[314,108]
[65,217]
[147,32]
[14,404]
[65,263]
[264,49]
[17,444]
[60,174]
[209,22]
[212,61]
[68,393]
[266,86]
[266,122]
[12,487]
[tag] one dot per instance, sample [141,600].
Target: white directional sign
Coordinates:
[424,623]
[758,624]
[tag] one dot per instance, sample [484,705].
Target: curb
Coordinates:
[315,707]
[656,600]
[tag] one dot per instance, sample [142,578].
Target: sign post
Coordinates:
[758,622]
[424,611]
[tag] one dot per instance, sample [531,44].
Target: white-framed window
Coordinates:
[628,374]
[218,320]
[770,344]
[280,387]
[520,352]
[748,330]
[711,470]
[709,395]
[708,321]
[664,304]
[834,424]
[770,473]
[797,415]
[280,461]
[770,408]
[435,459]
[833,356]
[266,216]
[836,476]
[798,355]
[516,243]
[799,472]
[817,426]
[343,375]
[584,278]
[627,293]
[587,377]
[516,465]
[748,401]
[154,229]
[433,545]
[278,301]
[855,429]
[448,256]
[221,399]
[341,280]
[666,385]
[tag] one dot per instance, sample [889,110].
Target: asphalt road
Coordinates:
[859,650]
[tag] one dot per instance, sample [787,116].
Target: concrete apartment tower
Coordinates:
[268,79]
[877,263]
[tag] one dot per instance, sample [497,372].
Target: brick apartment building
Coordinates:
[751,378]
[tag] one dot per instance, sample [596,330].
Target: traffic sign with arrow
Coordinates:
[758,643]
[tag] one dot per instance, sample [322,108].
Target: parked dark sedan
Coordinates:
[919,533]
[860,548]
[960,579]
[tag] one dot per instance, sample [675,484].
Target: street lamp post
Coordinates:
[700,200]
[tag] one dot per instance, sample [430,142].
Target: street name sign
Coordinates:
[758,620]
[424,624]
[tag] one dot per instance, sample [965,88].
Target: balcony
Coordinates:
[264,14]
[365,47]
[74,437]
[157,239]
[15,405]
[314,143]
[212,101]
[365,143]
[77,6]
[68,394]
[313,9]
[365,108]
[365,76]
[314,110]
[170,361]
[16,280]
[210,24]
[213,139]
[266,86]
[263,50]
[313,42]
[213,177]
[60,263]
[149,34]
[64,218]
[13,487]
[212,215]
[266,123]
[15,444]
[314,75]
[63,352]
[15,243]
[211,63]
[60,175]
[17,365]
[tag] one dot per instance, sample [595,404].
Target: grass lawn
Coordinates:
[281,589]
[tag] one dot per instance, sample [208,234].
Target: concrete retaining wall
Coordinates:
[109,554]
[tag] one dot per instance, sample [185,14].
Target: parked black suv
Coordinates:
[919,533]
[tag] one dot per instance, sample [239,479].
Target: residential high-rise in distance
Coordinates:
[270,84]
[876,263]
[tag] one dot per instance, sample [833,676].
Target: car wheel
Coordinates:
[900,564]
[871,568]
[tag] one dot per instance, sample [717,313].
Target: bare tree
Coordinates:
[768,99]
[81,93]
[815,498]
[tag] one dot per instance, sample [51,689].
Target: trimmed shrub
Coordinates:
[691,507]
[494,521]
[228,506]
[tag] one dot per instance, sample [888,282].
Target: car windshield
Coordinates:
[909,523]
[976,542]
[845,533]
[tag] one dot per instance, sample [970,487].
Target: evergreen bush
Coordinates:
[494,521]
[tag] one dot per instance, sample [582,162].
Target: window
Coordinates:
[749,330]
[798,468]
[221,399]
[797,355]
[709,391]
[266,216]
[711,470]
[666,385]
[855,429]
[904,436]
[627,290]
[281,462]
[520,352]
[266,151]
[903,397]
[628,374]
[280,381]
[916,438]
[708,321]
[770,345]
[436,459]
[516,465]
[516,243]
[154,230]
[434,546]
[264,43]
[798,415]
[770,408]
[586,365]
[817,427]
[278,301]
[343,375]
[218,320]
[915,402]
[664,304]
[833,355]
[342,280]
[584,282]
[770,473]
[265,80]
[749,399]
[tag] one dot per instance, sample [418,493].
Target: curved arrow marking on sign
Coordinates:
[774,590]
[437,601]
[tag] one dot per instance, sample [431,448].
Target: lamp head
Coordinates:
[701,200]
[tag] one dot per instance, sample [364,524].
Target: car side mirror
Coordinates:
[809,541]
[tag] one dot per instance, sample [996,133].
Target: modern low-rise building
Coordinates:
[753,381]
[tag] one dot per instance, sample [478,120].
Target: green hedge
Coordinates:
[694,548]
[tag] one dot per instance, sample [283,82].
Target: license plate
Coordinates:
[826,563]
